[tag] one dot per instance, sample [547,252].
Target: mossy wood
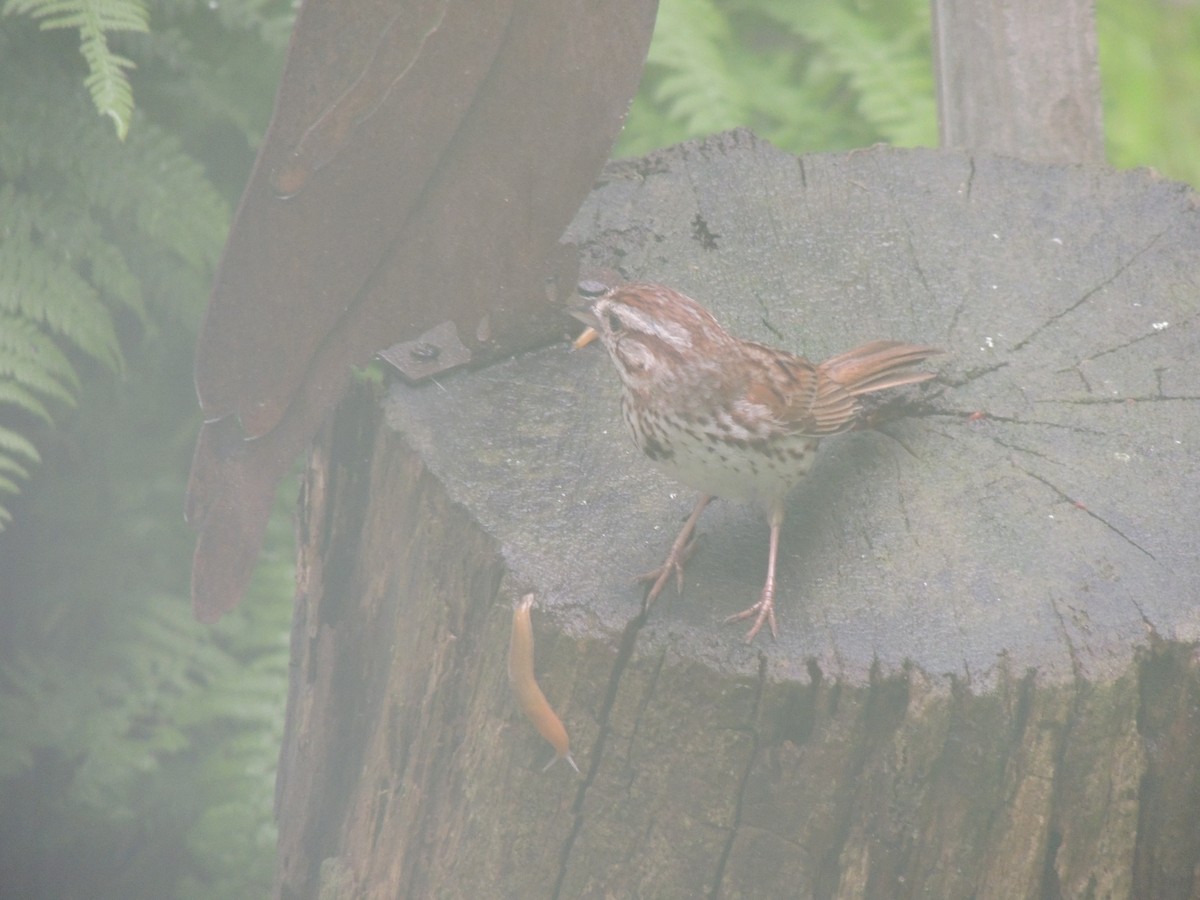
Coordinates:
[985,682]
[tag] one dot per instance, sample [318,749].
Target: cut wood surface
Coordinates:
[984,683]
[1038,507]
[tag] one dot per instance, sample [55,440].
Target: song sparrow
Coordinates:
[729,417]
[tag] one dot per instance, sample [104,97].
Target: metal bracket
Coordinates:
[434,352]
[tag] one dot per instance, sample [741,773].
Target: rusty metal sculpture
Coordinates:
[422,161]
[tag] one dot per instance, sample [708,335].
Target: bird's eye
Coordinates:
[614,323]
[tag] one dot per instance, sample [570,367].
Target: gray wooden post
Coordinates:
[985,683]
[1019,78]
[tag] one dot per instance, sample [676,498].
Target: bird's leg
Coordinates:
[680,551]
[764,609]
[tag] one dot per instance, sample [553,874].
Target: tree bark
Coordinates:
[1019,78]
[984,683]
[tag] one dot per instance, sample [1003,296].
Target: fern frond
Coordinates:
[178,205]
[806,76]
[89,228]
[881,49]
[42,286]
[9,466]
[695,84]
[14,394]
[107,80]
[31,358]
[113,666]
[13,444]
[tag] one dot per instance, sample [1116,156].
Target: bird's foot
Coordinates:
[763,611]
[657,578]
[681,549]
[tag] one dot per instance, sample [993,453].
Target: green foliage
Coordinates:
[848,73]
[144,737]
[1150,68]
[94,19]
[164,736]
[807,76]
[137,749]
[207,73]
[92,230]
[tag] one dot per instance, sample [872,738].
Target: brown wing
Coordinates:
[800,396]
[821,399]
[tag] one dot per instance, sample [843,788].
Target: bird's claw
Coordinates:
[673,563]
[763,611]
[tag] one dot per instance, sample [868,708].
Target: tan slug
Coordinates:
[520,675]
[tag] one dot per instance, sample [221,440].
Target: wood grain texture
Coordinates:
[985,682]
[1019,78]
[1056,531]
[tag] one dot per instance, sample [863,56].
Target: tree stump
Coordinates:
[984,683]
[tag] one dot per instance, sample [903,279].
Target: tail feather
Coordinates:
[878,365]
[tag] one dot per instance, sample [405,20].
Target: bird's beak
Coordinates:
[584,315]
[586,336]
